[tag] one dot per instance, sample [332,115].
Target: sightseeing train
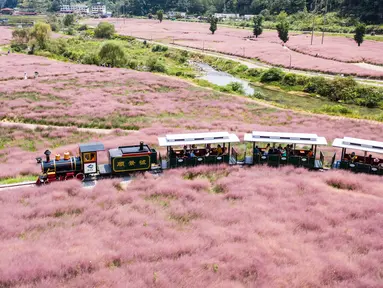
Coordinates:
[186,150]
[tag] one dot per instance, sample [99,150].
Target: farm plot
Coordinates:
[202,227]
[267,48]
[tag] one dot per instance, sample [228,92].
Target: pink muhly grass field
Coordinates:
[338,48]
[5,35]
[203,227]
[267,48]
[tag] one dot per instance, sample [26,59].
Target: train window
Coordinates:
[90,157]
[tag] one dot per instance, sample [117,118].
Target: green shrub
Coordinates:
[89,33]
[159,48]
[154,65]
[54,27]
[18,47]
[236,87]
[57,46]
[289,79]
[369,96]
[271,75]
[184,53]
[343,89]
[253,72]
[83,27]
[258,95]
[318,85]
[301,80]
[91,59]
[182,59]
[132,64]
[104,30]
[241,68]
[336,109]
[70,31]
[113,54]
[123,37]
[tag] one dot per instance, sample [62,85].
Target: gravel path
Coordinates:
[34,126]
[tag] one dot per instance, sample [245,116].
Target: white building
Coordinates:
[99,9]
[81,9]
[232,16]
[175,13]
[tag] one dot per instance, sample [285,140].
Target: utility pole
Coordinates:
[312,31]
[324,20]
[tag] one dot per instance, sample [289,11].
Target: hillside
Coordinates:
[369,11]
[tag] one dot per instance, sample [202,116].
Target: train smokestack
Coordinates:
[141,146]
[47,154]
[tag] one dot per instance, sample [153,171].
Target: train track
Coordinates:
[18,185]
[89,183]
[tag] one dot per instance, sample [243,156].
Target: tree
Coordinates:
[160,15]
[360,30]
[21,36]
[68,20]
[283,27]
[55,6]
[104,30]
[258,25]
[112,53]
[213,24]
[41,33]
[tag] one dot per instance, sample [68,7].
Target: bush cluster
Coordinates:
[159,48]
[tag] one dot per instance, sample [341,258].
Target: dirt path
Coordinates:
[35,126]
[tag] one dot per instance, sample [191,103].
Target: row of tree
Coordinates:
[369,11]
[283,27]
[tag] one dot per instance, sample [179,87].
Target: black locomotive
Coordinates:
[122,161]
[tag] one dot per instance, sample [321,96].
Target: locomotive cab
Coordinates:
[69,167]
[88,154]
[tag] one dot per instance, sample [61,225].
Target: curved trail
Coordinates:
[40,126]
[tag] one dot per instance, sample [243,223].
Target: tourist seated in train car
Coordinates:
[191,154]
[376,161]
[219,150]
[284,152]
[185,149]
[353,157]
[256,150]
[310,153]
[172,154]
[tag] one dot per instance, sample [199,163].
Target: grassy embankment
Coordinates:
[341,96]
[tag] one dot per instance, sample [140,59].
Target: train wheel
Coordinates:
[69,177]
[80,176]
[46,182]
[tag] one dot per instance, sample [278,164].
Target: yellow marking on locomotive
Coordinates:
[132,163]
[142,162]
[121,164]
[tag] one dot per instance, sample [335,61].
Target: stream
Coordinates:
[221,78]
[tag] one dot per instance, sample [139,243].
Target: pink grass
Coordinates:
[284,227]
[5,35]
